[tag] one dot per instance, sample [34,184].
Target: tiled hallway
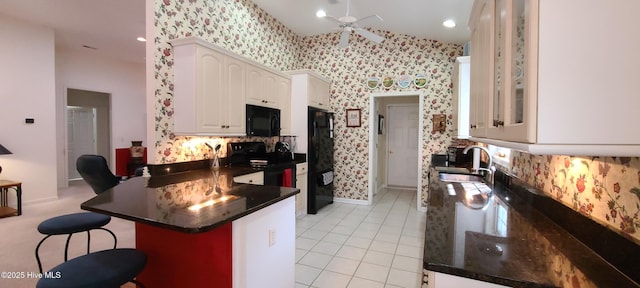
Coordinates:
[349,245]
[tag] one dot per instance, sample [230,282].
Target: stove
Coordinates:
[274,164]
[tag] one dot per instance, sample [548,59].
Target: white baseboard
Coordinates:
[351,201]
[401,187]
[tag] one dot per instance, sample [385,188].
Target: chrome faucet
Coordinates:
[476,164]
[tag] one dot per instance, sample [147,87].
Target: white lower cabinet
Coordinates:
[301,183]
[442,280]
[253,178]
[264,247]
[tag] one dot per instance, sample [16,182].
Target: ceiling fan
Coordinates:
[349,23]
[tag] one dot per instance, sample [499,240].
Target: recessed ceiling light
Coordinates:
[321,14]
[141,39]
[449,23]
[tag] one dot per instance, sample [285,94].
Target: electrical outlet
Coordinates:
[272,237]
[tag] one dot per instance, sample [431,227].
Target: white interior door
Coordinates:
[81,135]
[402,143]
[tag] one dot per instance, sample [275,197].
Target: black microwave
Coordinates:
[263,121]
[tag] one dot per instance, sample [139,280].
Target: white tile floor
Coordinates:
[353,246]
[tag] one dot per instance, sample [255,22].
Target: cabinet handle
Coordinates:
[250,181]
[473,126]
[498,123]
[221,126]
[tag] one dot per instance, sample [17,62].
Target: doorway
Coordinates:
[379,143]
[88,127]
[81,136]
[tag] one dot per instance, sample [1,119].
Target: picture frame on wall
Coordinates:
[439,123]
[353,118]
[380,124]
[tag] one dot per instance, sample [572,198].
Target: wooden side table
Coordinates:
[5,210]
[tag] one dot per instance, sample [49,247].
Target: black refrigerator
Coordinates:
[320,160]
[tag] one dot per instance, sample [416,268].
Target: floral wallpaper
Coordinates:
[237,25]
[242,27]
[605,189]
[348,70]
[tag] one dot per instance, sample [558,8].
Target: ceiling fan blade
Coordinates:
[371,36]
[344,39]
[334,19]
[370,16]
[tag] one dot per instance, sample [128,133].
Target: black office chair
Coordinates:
[95,171]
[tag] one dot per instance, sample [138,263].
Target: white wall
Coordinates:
[27,90]
[123,80]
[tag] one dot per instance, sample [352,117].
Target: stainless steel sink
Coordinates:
[450,177]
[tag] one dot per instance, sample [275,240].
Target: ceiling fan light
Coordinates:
[321,14]
[449,23]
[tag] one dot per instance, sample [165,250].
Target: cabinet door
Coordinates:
[253,178]
[521,85]
[284,101]
[301,183]
[511,94]
[255,92]
[460,103]
[442,280]
[318,93]
[270,89]
[481,24]
[210,96]
[262,87]
[233,106]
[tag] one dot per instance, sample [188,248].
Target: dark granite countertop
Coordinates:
[502,239]
[171,201]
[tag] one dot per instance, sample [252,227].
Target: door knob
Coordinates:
[390,152]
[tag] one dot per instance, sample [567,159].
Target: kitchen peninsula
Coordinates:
[201,229]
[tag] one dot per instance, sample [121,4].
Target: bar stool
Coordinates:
[107,268]
[95,171]
[70,224]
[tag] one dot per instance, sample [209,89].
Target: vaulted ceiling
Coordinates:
[111,27]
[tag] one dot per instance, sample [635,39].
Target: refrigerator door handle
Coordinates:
[315,137]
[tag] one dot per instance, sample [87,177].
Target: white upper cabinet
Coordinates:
[460,103]
[209,92]
[481,27]
[262,87]
[559,80]
[284,99]
[319,93]
[213,85]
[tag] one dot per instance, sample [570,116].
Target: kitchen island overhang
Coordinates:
[194,227]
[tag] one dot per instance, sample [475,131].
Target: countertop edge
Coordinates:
[194,230]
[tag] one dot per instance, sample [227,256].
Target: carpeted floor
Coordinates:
[19,237]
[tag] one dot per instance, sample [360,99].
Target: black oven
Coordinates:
[263,121]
